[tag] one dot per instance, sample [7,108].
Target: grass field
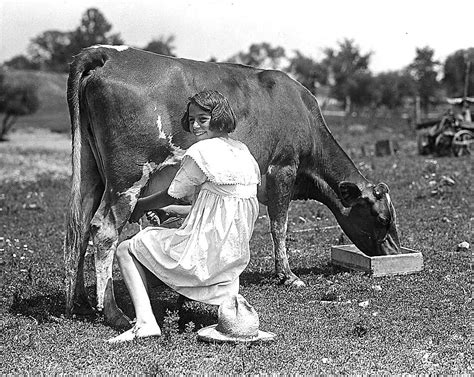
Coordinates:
[342,322]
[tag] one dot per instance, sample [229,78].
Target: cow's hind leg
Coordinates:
[279,187]
[76,295]
[84,201]
[105,228]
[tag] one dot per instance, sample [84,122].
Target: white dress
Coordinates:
[203,259]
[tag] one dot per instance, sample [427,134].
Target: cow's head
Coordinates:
[370,220]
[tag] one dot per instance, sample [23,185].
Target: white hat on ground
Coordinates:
[237,322]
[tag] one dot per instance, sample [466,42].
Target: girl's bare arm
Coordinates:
[157,200]
[178,210]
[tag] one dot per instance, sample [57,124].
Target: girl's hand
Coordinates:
[137,213]
[157,200]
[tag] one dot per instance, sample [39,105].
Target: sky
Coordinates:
[391,30]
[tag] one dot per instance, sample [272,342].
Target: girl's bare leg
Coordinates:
[135,280]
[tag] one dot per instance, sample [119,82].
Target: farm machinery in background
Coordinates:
[453,134]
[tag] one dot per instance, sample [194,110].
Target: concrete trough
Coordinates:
[350,257]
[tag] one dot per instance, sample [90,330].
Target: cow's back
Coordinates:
[274,113]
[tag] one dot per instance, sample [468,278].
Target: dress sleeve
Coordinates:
[188,178]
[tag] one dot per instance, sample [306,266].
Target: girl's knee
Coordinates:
[123,250]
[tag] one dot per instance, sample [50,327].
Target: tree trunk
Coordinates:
[7,124]
[417,110]
[347,109]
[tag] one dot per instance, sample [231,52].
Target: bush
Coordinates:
[16,99]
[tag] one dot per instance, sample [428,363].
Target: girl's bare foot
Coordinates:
[137,331]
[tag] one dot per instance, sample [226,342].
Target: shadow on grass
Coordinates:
[168,305]
[49,307]
[43,308]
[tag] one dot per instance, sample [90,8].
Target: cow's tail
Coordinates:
[77,228]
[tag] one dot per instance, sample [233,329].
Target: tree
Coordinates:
[52,50]
[308,72]
[423,69]
[455,68]
[21,62]
[16,99]
[162,45]
[393,88]
[343,65]
[362,89]
[261,55]
[94,29]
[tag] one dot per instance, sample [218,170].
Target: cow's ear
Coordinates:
[350,193]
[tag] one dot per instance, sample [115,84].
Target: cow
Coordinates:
[125,107]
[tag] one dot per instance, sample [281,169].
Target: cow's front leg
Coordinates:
[279,186]
[104,230]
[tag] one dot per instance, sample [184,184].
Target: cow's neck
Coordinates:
[332,166]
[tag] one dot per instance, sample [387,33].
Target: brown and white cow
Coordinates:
[125,106]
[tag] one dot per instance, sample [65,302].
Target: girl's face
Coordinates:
[199,120]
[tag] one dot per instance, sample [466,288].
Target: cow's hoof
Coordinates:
[296,283]
[82,310]
[115,317]
[83,307]
[118,319]
[293,281]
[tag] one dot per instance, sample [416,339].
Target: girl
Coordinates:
[202,259]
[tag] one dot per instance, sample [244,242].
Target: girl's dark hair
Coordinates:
[222,115]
